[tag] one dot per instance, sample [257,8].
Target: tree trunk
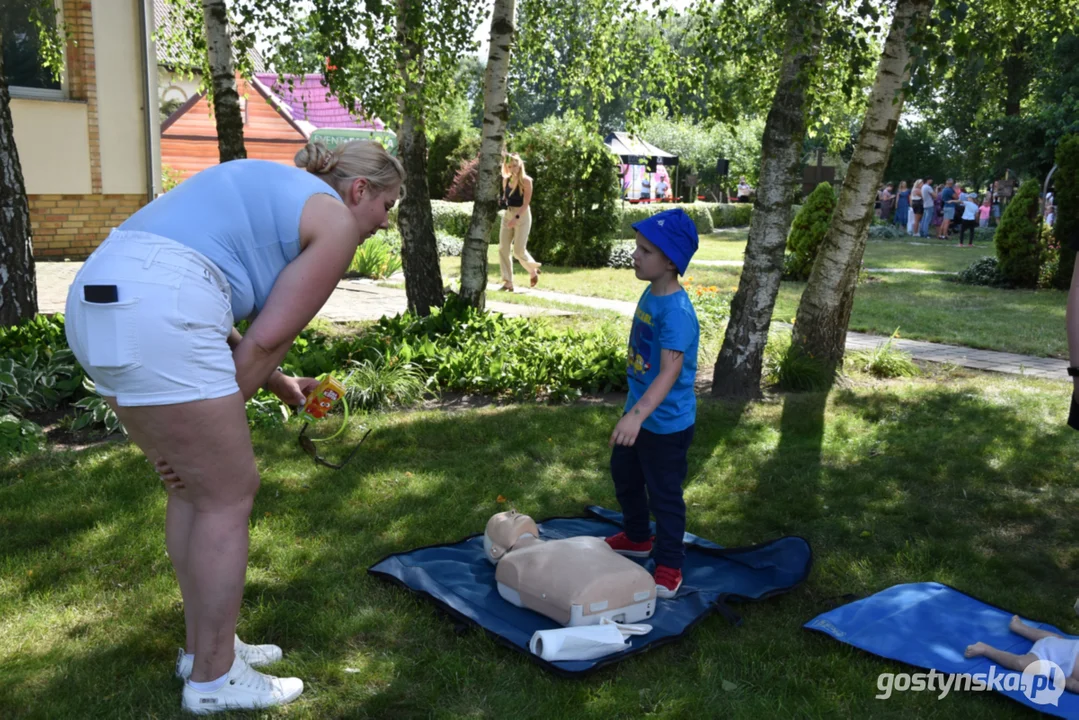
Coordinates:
[738,369]
[820,328]
[488,179]
[1018,74]
[229,119]
[18,282]
[419,251]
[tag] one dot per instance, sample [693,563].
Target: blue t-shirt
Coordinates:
[946,195]
[666,322]
[244,216]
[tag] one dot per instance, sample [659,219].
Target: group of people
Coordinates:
[151,318]
[926,212]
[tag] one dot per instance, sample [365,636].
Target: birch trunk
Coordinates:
[738,370]
[18,286]
[419,251]
[488,180]
[820,328]
[230,122]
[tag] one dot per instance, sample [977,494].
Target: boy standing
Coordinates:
[648,462]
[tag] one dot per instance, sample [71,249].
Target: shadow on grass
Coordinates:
[889,486]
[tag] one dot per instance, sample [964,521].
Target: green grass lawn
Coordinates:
[923,307]
[907,254]
[965,479]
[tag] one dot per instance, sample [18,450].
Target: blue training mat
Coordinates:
[459,578]
[929,625]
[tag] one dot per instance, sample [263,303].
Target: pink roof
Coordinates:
[311,101]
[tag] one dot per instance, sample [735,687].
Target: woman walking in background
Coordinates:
[902,205]
[915,208]
[516,222]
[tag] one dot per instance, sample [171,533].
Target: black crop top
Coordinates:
[512,198]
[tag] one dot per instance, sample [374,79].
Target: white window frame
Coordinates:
[29,93]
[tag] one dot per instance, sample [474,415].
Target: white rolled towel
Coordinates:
[585,642]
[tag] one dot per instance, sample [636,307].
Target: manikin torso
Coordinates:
[574,581]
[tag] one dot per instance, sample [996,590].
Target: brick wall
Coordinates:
[71,226]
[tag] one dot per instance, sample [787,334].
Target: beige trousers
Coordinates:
[517,237]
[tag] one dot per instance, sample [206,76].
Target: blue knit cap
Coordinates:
[673,232]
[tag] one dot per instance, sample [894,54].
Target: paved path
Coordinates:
[912,271]
[991,360]
[353,300]
[356,300]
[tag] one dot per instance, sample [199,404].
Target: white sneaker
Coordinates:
[253,655]
[245,689]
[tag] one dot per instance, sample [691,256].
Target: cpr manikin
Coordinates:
[575,581]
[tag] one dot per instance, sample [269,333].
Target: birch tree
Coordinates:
[818,80]
[821,323]
[226,99]
[738,370]
[488,181]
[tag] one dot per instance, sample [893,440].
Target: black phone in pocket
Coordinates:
[102,294]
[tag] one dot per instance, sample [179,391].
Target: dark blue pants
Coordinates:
[649,475]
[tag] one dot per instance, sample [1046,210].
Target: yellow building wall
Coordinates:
[121,103]
[54,145]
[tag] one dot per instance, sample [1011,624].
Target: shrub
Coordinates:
[700,213]
[93,411]
[452,218]
[375,259]
[622,255]
[575,194]
[379,384]
[808,230]
[447,151]
[1017,238]
[789,368]
[448,245]
[886,232]
[983,271]
[38,381]
[463,187]
[726,215]
[19,436]
[1066,227]
[884,361]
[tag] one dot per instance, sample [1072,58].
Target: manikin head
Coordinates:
[504,530]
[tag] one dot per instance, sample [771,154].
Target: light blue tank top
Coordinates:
[244,216]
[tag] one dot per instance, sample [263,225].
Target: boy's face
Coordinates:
[649,262]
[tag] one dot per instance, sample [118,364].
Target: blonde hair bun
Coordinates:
[316,158]
[349,161]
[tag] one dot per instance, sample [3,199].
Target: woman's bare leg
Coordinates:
[179,515]
[208,445]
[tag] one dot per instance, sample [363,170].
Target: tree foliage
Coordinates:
[808,230]
[602,59]
[448,151]
[575,192]
[1017,237]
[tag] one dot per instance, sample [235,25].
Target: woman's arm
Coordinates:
[328,236]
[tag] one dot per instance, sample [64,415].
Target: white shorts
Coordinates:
[163,338]
[1062,651]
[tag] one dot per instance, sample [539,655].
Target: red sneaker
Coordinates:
[624,546]
[668,580]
